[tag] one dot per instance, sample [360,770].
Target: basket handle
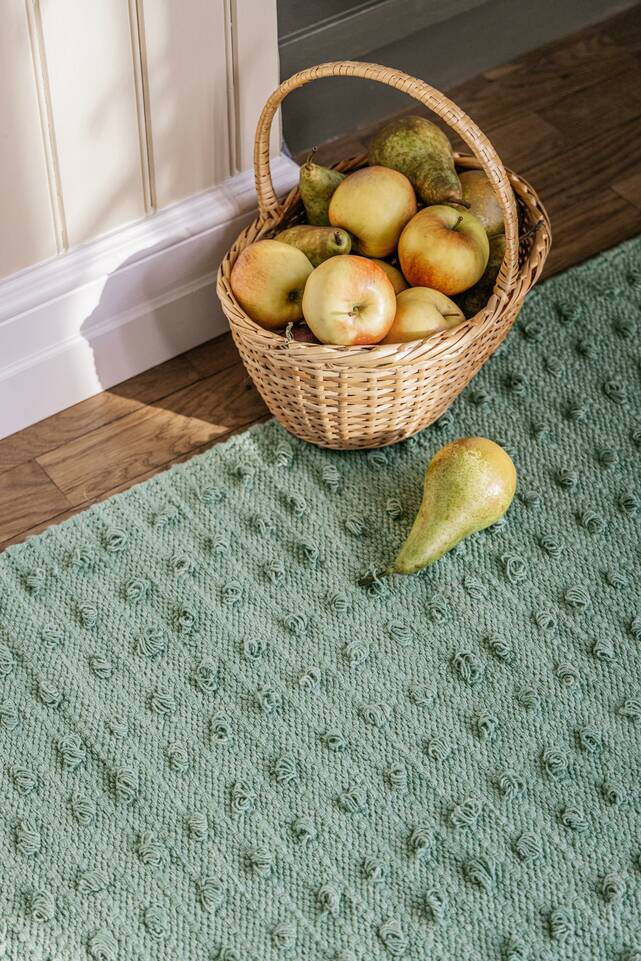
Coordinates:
[431,98]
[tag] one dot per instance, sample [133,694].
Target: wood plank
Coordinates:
[93,104]
[214,355]
[629,188]
[27,496]
[578,174]
[157,382]
[28,233]
[186,72]
[581,231]
[527,136]
[535,80]
[599,107]
[62,516]
[69,424]
[153,437]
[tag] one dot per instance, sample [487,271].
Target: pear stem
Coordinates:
[368,579]
[531,230]
[310,156]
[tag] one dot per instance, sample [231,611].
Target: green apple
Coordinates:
[349,300]
[398,281]
[481,196]
[268,280]
[373,204]
[421,312]
[445,248]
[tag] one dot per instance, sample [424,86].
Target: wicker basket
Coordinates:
[361,397]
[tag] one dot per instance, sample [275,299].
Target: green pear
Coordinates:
[316,185]
[484,204]
[469,484]
[317,243]
[420,150]
[475,299]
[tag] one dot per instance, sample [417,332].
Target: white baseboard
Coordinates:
[80,323]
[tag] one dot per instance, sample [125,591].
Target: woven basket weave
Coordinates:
[362,397]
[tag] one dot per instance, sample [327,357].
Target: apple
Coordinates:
[349,300]
[421,312]
[398,281]
[374,204]
[268,280]
[484,204]
[444,248]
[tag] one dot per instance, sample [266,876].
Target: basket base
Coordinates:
[371,442]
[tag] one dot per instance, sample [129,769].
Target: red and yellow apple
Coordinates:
[398,281]
[373,204]
[268,280]
[445,248]
[349,300]
[421,312]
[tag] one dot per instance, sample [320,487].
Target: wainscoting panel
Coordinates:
[88,51]
[27,231]
[184,56]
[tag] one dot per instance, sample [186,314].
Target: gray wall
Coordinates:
[441,41]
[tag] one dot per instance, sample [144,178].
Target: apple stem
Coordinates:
[460,220]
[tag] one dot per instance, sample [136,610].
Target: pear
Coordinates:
[484,204]
[469,484]
[420,150]
[475,299]
[316,185]
[317,243]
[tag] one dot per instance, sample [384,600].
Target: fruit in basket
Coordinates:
[469,485]
[480,195]
[443,247]
[374,204]
[302,334]
[477,296]
[349,300]
[398,281]
[317,243]
[268,280]
[419,149]
[316,185]
[421,312]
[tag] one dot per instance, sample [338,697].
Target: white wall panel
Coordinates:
[94,108]
[254,27]
[27,232]
[111,109]
[184,49]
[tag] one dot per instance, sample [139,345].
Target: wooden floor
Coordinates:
[567,117]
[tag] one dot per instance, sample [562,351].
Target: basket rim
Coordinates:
[334,355]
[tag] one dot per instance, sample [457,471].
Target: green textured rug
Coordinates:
[215,745]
